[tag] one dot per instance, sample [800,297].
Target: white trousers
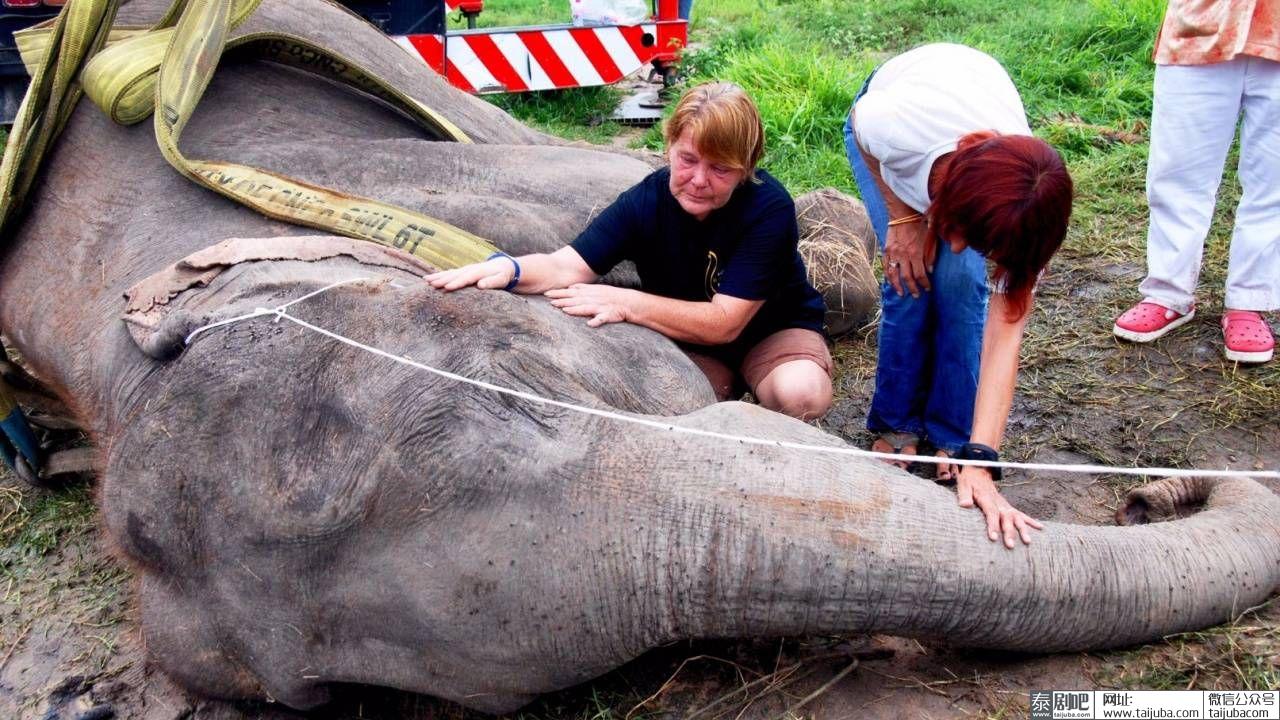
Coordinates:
[1193,122]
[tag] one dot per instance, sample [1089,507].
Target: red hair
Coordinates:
[1009,198]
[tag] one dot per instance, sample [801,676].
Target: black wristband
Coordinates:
[515,279]
[978,451]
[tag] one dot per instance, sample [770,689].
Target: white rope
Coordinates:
[259,312]
[280,314]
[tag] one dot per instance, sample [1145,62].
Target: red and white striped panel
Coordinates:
[538,59]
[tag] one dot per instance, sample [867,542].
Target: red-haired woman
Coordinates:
[952,179]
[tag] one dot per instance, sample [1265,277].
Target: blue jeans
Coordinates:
[929,347]
[686,6]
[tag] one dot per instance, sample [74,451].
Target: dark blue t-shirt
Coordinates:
[746,249]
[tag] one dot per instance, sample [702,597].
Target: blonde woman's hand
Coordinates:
[494,274]
[600,304]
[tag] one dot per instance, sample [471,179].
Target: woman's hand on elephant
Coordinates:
[489,275]
[908,257]
[975,486]
[600,304]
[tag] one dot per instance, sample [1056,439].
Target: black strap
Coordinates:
[978,451]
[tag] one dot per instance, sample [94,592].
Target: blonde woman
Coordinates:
[713,238]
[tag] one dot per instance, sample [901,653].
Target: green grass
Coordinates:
[1083,67]
[34,524]
[55,583]
[499,13]
[574,114]
[1234,656]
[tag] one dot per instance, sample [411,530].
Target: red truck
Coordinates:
[484,60]
[545,57]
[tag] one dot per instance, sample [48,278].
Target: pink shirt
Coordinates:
[1201,32]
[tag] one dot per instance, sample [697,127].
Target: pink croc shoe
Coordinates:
[1247,337]
[1147,321]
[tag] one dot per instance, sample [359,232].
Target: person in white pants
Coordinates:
[1204,83]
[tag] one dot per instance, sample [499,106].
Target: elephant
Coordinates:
[300,511]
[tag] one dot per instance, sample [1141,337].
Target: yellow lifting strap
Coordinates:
[130,72]
[165,69]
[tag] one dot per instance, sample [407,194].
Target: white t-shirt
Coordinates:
[924,100]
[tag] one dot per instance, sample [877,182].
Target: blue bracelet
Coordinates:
[515,279]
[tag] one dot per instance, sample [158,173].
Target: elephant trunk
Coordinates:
[797,542]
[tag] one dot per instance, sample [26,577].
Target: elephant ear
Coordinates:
[162,310]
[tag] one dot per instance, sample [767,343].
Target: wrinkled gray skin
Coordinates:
[300,513]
